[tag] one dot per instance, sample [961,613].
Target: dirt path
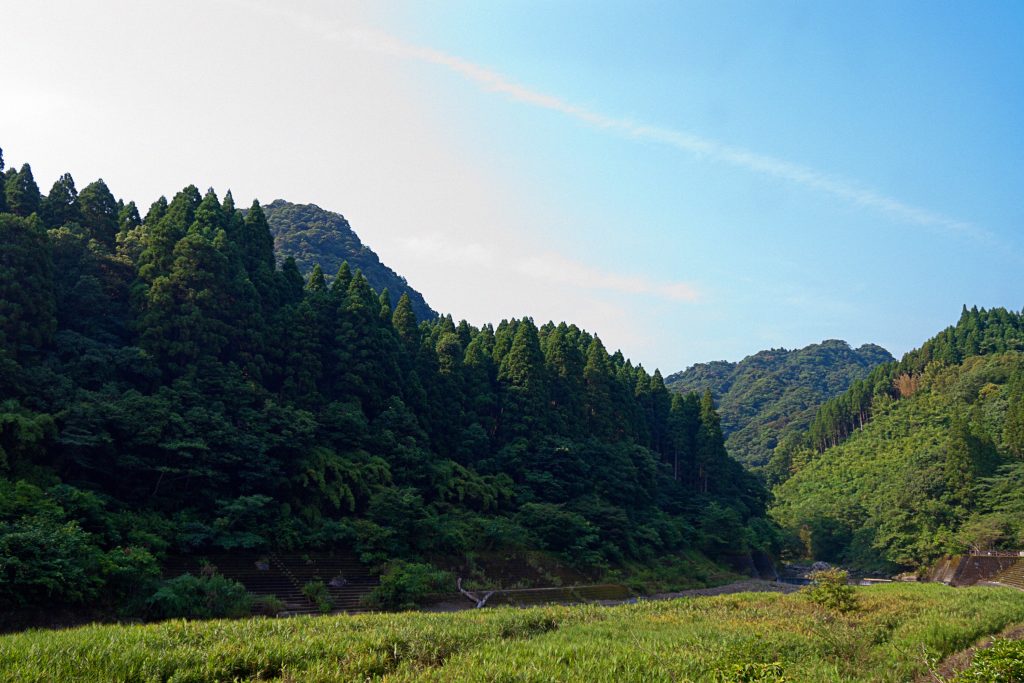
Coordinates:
[745,586]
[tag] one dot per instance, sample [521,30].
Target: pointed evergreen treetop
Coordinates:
[316,284]
[384,298]
[60,206]
[21,192]
[291,281]
[342,280]
[523,365]
[99,212]
[128,218]
[156,211]
[256,241]
[209,214]
[404,322]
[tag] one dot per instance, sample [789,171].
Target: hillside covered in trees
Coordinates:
[922,458]
[775,393]
[167,388]
[314,236]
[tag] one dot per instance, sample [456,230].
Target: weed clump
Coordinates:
[317,593]
[199,597]
[406,584]
[830,589]
[1004,661]
[752,672]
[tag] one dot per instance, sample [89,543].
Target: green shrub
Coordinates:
[269,604]
[199,597]
[318,594]
[752,672]
[830,589]
[1003,662]
[131,575]
[44,561]
[405,584]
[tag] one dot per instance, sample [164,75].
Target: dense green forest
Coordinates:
[167,387]
[923,458]
[978,332]
[314,236]
[774,394]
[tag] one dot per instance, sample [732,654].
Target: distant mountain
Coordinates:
[773,392]
[313,235]
[924,457]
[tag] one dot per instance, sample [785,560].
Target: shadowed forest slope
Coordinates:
[168,387]
[312,236]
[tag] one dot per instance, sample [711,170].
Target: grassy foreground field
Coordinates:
[741,637]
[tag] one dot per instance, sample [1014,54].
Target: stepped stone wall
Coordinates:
[967,570]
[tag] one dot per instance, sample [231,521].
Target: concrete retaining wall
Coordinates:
[967,570]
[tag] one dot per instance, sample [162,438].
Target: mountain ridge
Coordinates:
[773,392]
[313,235]
[923,457]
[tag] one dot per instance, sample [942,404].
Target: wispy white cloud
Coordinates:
[362,38]
[550,268]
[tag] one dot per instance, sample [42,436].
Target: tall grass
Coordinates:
[749,637]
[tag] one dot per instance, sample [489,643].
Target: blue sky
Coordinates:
[692,181]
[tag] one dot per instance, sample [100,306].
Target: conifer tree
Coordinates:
[60,206]
[128,219]
[291,282]
[302,365]
[185,309]
[99,212]
[504,333]
[404,322]
[522,376]
[384,299]
[21,192]
[564,363]
[27,304]
[316,284]
[365,368]
[156,211]
[465,332]
[683,427]
[661,404]
[341,282]
[162,236]
[3,185]
[256,242]
[235,222]
[597,377]
[229,404]
[1013,426]
[209,216]
[958,464]
[710,445]
[449,353]
[479,381]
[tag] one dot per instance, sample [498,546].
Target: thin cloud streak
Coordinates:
[699,146]
[383,43]
[549,267]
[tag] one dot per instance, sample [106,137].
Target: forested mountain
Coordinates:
[166,387]
[924,457]
[776,392]
[313,236]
